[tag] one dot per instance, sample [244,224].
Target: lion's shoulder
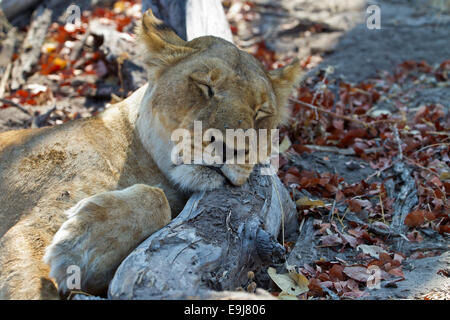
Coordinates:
[16,137]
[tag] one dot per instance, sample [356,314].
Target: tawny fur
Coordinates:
[64,178]
[131,215]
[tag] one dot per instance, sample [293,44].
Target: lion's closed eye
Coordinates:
[202,81]
[206,89]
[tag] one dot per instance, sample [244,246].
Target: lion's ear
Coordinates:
[160,46]
[283,81]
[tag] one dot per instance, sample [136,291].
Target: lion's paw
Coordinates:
[100,232]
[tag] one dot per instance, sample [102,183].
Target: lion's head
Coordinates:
[210,80]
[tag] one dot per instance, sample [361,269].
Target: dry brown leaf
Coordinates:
[415,218]
[373,251]
[301,281]
[315,287]
[331,240]
[336,272]
[357,273]
[287,283]
[306,202]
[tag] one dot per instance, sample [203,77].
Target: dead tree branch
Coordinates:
[218,237]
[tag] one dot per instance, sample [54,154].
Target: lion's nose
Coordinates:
[233,152]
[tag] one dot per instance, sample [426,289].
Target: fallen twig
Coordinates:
[378,172]
[382,208]
[438,133]
[332,208]
[340,116]
[16,105]
[346,152]
[433,145]
[398,141]
[371,228]
[328,70]
[405,199]
[411,161]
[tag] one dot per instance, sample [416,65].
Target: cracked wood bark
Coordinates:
[192,18]
[218,237]
[206,17]
[12,8]
[405,200]
[31,47]
[7,48]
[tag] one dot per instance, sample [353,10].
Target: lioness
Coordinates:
[87,192]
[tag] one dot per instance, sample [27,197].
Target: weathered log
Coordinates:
[305,248]
[405,199]
[31,47]
[172,12]
[206,17]
[7,48]
[6,72]
[259,294]
[192,18]
[5,26]
[213,243]
[11,8]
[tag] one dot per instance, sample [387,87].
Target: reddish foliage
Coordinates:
[415,218]
[315,287]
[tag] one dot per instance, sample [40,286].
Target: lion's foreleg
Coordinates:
[100,232]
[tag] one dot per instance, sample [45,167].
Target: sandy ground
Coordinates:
[410,30]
